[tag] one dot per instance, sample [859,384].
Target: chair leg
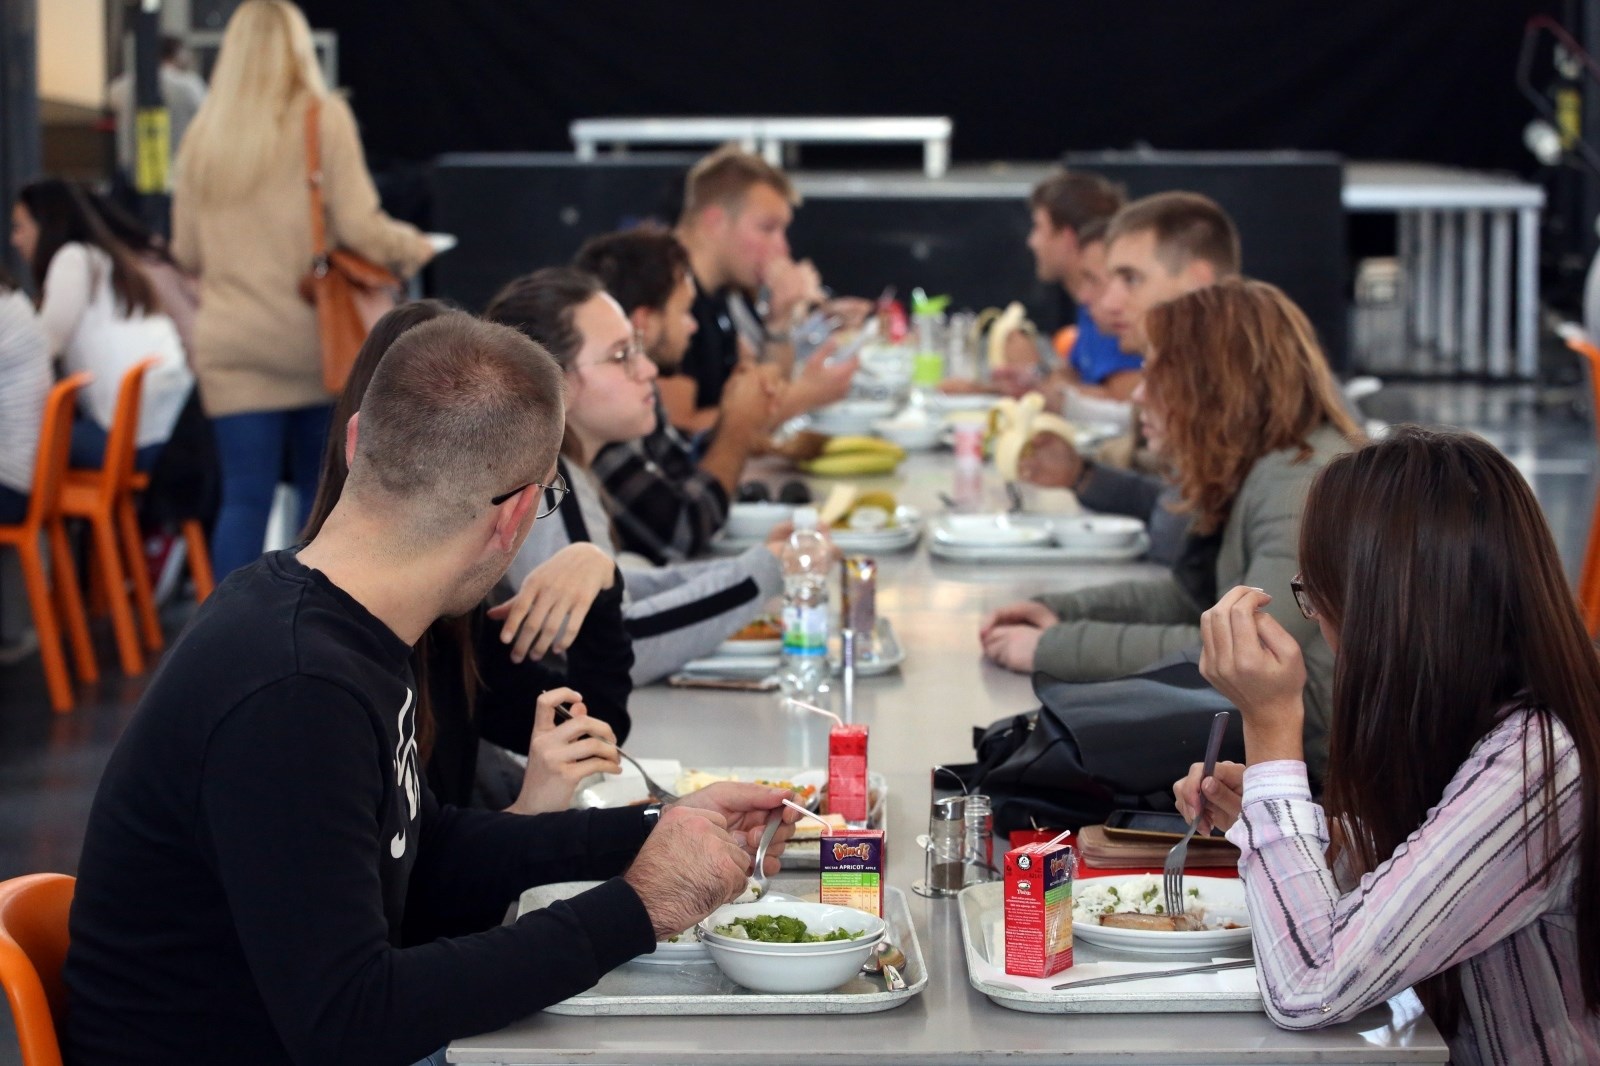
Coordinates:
[114,583]
[144,600]
[1589,576]
[44,621]
[69,602]
[194,537]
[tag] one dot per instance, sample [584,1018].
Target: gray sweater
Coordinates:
[674,613]
[1112,630]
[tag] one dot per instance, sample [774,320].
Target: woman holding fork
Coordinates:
[1457,847]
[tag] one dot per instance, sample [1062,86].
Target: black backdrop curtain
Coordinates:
[1412,79]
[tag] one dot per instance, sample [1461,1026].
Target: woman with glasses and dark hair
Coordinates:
[1239,404]
[1457,845]
[674,613]
[469,688]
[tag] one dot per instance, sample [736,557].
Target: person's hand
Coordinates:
[749,404]
[744,808]
[1020,350]
[1253,661]
[1014,381]
[1224,795]
[851,311]
[1012,647]
[559,756]
[549,609]
[791,287]
[778,536]
[1050,461]
[965,387]
[819,382]
[688,867]
[1026,613]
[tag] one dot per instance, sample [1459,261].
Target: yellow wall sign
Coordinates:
[153,153]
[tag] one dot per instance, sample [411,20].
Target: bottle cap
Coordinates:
[805,518]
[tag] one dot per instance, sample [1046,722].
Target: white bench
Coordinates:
[768,136]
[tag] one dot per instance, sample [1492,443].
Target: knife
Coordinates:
[1147,975]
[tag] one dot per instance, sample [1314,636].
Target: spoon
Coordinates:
[758,877]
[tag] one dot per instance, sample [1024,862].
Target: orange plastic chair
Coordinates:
[33,948]
[196,551]
[103,498]
[1589,576]
[53,597]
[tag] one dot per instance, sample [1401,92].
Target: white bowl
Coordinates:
[989,530]
[912,436]
[1096,531]
[850,417]
[819,918]
[753,521]
[765,971]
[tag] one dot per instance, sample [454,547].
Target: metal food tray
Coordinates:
[1044,553]
[983,908]
[701,988]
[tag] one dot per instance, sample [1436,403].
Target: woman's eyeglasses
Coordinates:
[1302,600]
[553,494]
[630,358]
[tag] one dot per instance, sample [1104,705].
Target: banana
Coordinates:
[1013,423]
[838,504]
[1000,325]
[849,445]
[853,463]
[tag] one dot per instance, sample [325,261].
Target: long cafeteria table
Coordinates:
[919,717]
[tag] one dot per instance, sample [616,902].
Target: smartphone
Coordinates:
[1145,825]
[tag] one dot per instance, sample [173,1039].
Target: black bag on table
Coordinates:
[1099,746]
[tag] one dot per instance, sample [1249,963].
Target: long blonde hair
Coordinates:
[266,71]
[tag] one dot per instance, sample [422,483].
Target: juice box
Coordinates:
[847,773]
[1038,915]
[852,869]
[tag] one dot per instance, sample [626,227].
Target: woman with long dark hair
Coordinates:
[101,314]
[1457,847]
[468,686]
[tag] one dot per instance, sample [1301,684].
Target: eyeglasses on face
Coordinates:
[627,356]
[553,494]
[1301,599]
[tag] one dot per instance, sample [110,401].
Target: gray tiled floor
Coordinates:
[49,763]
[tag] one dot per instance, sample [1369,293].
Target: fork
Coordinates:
[656,793]
[759,875]
[1172,869]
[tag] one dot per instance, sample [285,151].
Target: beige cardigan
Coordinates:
[255,338]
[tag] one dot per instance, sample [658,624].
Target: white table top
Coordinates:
[1422,186]
[920,717]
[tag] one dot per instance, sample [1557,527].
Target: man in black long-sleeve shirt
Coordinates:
[266,877]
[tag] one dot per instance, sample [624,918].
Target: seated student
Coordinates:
[1457,845]
[266,877]
[100,314]
[670,501]
[468,686]
[736,212]
[25,381]
[674,613]
[1239,402]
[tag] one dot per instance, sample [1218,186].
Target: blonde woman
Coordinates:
[241,221]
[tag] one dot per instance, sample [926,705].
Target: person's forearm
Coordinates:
[726,455]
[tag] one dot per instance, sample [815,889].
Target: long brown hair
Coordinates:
[1428,553]
[65,215]
[446,632]
[1236,369]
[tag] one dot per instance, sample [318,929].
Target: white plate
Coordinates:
[627,788]
[1096,531]
[903,534]
[1039,554]
[989,531]
[1223,897]
[734,665]
[850,417]
[739,649]
[945,403]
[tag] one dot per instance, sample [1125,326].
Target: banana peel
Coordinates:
[1001,324]
[1014,423]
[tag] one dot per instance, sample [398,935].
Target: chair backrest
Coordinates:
[122,437]
[33,948]
[55,442]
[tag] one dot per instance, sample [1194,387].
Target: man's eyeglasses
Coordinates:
[629,357]
[1302,600]
[553,494]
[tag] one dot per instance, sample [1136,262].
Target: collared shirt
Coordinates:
[667,508]
[1096,355]
[714,348]
[1471,890]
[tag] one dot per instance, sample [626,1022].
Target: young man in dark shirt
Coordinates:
[736,213]
[266,877]
[671,492]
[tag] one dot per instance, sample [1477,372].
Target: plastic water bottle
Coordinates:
[807,559]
